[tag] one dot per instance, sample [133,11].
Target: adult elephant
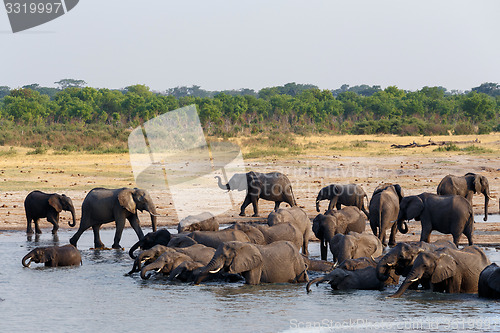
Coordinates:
[450,271]
[489,282]
[39,205]
[273,186]
[102,205]
[334,222]
[347,195]
[214,238]
[159,237]
[54,256]
[384,210]
[401,257]
[147,256]
[448,214]
[278,262]
[263,234]
[296,216]
[466,186]
[354,245]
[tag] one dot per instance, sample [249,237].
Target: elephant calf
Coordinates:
[384,210]
[347,195]
[201,222]
[296,216]
[54,256]
[355,245]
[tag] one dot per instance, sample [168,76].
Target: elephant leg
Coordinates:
[255,205]
[244,205]
[305,244]
[277,205]
[392,237]
[252,276]
[97,239]
[29,229]
[120,225]
[456,239]
[468,231]
[54,220]
[338,206]
[134,222]
[374,229]
[37,227]
[365,211]
[426,234]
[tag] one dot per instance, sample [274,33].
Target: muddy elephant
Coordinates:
[450,271]
[201,222]
[173,257]
[296,216]
[273,186]
[466,186]
[54,256]
[354,245]
[448,214]
[278,262]
[384,210]
[489,282]
[158,237]
[347,195]
[103,205]
[335,222]
[357,273]
[263,234]
[39,205]
[401,257]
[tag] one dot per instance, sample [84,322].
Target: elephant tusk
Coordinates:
[29,262]
[157,215]
[414,280]
[215,271]
[158,270]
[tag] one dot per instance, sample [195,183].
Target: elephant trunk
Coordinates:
[72,210]
[383,269]
[402,226]
[155,266]
[26,257]
[214,266]
[317,205]
[317,280]
[133,248]
[152,211]
[410,279]
[221,186]
[486,201]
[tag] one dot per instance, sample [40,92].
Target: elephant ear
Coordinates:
[477,184]
[247,257]
[415,208]
[126,200]
[48,255]
[252,181]
[55,202]
[340,223]
[446,267]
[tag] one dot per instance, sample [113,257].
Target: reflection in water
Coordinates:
[97,296]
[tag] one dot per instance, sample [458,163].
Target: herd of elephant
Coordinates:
[270,253]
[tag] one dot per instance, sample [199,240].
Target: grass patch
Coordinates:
[448,147]
[359,144]
[37,151]
[472,149]
[10,152]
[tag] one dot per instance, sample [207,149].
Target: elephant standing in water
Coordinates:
[448,214]
[159,237]
[384,210]
[449,270]
[296,216]
[103,205]
[54,256]
[347,195]
[39,204]
[337,222]
[273,186]
[466,186]
[278,262]
[355,245]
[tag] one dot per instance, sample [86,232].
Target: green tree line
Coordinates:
[295,108]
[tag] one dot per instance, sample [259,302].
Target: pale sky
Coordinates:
[254,44]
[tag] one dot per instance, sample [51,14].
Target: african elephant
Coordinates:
[273,186]
[337,222]
[173,257]
[54,256]
[315,265]
[161,237]
[466,186]
[400,259]
[489,282]
[354,245]
[296,216]
[182,240]
[354,274]
[103,205]
[384,210]
[263,234]
[186,271]
[39,204]
[278,262]
[214,238]
[147,256]
[347,195]
[451,271]
[448,214]
[201,222]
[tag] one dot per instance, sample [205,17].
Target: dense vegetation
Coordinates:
[75,117]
